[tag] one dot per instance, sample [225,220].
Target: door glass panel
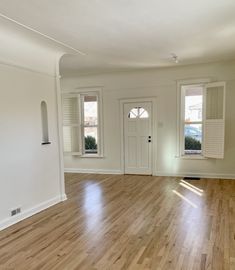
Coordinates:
[144,114]
[138,112]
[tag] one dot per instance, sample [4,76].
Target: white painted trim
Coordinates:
[91,156]
[13,65]
[192,157]
[158,173]
[153,100]
[93,171]
[60,127]
[41,34]
[30,212]
[201,175]
[83,89]
[64,197]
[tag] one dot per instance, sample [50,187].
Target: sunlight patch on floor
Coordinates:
[191,189]
[185,199]
[192,186]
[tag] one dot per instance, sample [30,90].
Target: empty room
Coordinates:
[117,135]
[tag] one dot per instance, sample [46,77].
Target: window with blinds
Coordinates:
[203,120]
[71,125]
[81,124]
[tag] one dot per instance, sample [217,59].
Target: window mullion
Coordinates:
[193,122]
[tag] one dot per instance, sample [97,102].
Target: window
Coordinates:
[193,120]
[138,112]
[81,124]
[90,124]
[202,120]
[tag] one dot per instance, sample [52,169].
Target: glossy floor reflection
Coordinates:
[128,222]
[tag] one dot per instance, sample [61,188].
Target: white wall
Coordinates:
[161,84]
[30,175]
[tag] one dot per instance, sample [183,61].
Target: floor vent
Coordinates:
[191,178]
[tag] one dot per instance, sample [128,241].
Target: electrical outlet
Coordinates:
[15,211]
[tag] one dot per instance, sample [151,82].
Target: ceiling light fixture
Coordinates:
[175,58]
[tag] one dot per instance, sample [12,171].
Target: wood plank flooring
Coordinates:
[128,222]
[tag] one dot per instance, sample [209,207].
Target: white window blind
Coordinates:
[71,125]
[214,128]
[82,133]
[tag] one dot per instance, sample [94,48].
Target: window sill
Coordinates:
[77,154]
[91,156]
[192,157]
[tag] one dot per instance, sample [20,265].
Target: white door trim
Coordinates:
[153,100]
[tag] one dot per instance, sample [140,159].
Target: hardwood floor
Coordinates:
[128,222]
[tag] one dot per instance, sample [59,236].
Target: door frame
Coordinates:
[153,101]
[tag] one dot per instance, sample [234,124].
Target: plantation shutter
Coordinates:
[214,128]
[71,123]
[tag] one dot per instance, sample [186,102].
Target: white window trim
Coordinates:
[180,117]
[80,92]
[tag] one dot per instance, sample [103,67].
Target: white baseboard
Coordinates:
[157,173]
[93,171]
[30,212]
[63,197]
[201,175]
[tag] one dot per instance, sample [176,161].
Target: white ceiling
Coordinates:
[131,34]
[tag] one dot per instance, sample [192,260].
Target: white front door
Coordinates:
[138,138]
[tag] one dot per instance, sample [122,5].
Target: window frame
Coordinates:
[80,93]
[181,117]
[184,123]
[83,126]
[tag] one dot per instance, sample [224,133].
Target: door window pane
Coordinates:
[91,139]
[143,113]
[193,138]
[138,112]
